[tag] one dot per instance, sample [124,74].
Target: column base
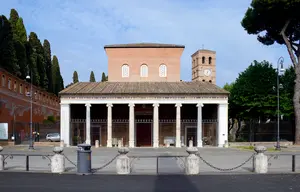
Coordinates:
[131,144]
[221,145]
[155,144]
[199,143]
[88,142]
[178,144]
[108,143]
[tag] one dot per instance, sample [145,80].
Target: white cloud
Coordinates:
[78,30]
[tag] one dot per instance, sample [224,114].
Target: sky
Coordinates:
[79,29]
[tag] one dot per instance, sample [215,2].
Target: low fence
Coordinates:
[190,164]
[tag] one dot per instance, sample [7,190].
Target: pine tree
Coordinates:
[104,77]
[48,64]
[92,77]
[58,83]
[75,77]
[8,59]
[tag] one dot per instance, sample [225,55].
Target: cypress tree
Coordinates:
[92,77]
[103,78]
[58,83]
[48,64]
[75,77]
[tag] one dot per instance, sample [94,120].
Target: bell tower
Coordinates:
[204,66]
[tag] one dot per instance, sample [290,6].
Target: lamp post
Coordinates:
[31,140]
[279,71]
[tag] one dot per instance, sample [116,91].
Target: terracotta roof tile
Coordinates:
[144,45]
[118,88]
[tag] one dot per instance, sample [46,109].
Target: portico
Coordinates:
[145,119]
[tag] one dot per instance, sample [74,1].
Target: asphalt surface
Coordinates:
[15,182]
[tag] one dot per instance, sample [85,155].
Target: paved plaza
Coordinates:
[217,158]
[15,182]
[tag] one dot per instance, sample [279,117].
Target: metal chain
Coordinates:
[70,160]
[228,169]
[106,164]
[269,159]
[180,162]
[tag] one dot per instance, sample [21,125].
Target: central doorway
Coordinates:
[191,134]
[143,130]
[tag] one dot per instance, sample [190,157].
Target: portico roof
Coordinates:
[144,88]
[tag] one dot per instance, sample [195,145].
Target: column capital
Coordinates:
[109,105]
[200,105]
[131,105]
[65,104]
[88,105]
[178,105]
[155,105]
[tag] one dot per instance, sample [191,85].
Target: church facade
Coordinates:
[145,104]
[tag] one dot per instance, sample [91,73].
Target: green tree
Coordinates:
[104,77]
[56,76]
[8,59]
[75,77]
[92,77]
[48,64]
[39,60]
[278,22]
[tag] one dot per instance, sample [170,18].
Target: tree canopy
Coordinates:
[92,77]
[75,77]
[20,55]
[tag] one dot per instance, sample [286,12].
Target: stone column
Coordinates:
[260,163]
[178,128]
[199,125]
[65,123]
[222,132]
[1,160]
[88,123]
[109,124]
[155,125]
[131,125]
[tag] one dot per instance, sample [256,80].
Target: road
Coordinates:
[25,182]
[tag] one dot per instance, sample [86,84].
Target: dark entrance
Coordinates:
[143,134]
[191,134]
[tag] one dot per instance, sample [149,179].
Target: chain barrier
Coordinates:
[105,165]
[70,160]
[228,169]
[180,162]
[275,157]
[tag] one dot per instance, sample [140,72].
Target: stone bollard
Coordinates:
[1,160]
[191,143]
[58,161]
[123,161]
[260,161]
[226,145]
[192,162]
[168,144]
[62,143]
[97,144]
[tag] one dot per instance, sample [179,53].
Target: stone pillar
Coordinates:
[1,160]
[123,162]
[131,125]
[178,123]
[260,163]
[97,144]
[109,124]
[155,126]
[222,132]
[199,125]
[192,162]
[88,123]
[65,124]
[57,161]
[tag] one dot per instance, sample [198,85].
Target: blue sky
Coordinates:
[78,30]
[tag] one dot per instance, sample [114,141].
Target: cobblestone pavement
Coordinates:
[218,157]
[27,182]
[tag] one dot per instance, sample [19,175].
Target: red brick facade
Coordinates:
[15,105]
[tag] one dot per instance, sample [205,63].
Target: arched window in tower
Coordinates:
[203,60]
[163,70]
[209,60]
[125,70]
[144,70]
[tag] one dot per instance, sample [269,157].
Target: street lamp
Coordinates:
[30,95]
[279,71]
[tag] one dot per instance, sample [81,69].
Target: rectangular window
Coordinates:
[21,89]
[15,86]
[9,83]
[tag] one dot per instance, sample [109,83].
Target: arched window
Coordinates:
[125,70]
[163,70]
[3,81]
[203,60]
[209,60]
[9,83]
[144,70]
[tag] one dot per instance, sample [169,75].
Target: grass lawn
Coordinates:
[251,148]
